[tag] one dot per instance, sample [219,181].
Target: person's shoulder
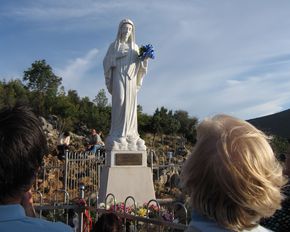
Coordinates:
[258,228]
[44,225]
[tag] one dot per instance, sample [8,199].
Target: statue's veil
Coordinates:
[132,36]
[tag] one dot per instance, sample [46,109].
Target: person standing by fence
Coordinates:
[63,144]
[95,142]
[22,147]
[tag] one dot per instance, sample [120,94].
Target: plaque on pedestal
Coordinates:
[126,158]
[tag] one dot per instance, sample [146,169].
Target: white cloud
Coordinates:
[57,10]
[266,108]
[226,43]
[77,70]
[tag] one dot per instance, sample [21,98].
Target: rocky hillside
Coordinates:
[169,153]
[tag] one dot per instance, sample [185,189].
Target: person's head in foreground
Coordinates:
[232,175]
[22,147]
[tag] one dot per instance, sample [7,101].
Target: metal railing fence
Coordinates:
[157,224]
[76,169]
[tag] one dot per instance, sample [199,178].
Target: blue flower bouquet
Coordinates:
[146,51]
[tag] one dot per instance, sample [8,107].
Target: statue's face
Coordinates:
[126,31]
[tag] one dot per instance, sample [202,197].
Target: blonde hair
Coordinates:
[232,175]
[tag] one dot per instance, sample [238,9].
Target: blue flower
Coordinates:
[146,51]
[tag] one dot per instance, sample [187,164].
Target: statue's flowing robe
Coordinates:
[124,72]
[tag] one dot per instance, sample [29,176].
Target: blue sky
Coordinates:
[225,56]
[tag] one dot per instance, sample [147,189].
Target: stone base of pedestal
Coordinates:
[135,181]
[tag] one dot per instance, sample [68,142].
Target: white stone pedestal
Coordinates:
[127,181]
[126,174]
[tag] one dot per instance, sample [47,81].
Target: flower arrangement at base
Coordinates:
[153,211]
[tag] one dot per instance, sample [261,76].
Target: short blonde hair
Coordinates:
[232,175]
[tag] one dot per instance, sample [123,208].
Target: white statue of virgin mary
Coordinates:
[124,72]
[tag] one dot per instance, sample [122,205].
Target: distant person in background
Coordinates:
[95,142]
[63,144]
[108,222]
[101,137]
[280,221]
[232,176]
[22,147]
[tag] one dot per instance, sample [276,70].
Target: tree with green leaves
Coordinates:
[102,121]
[156,123]
[74,97]
[101,99]
[163,122]
[43,85]
[66,111]
[144,121]
[102,116]
[11,92]
[187,125]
